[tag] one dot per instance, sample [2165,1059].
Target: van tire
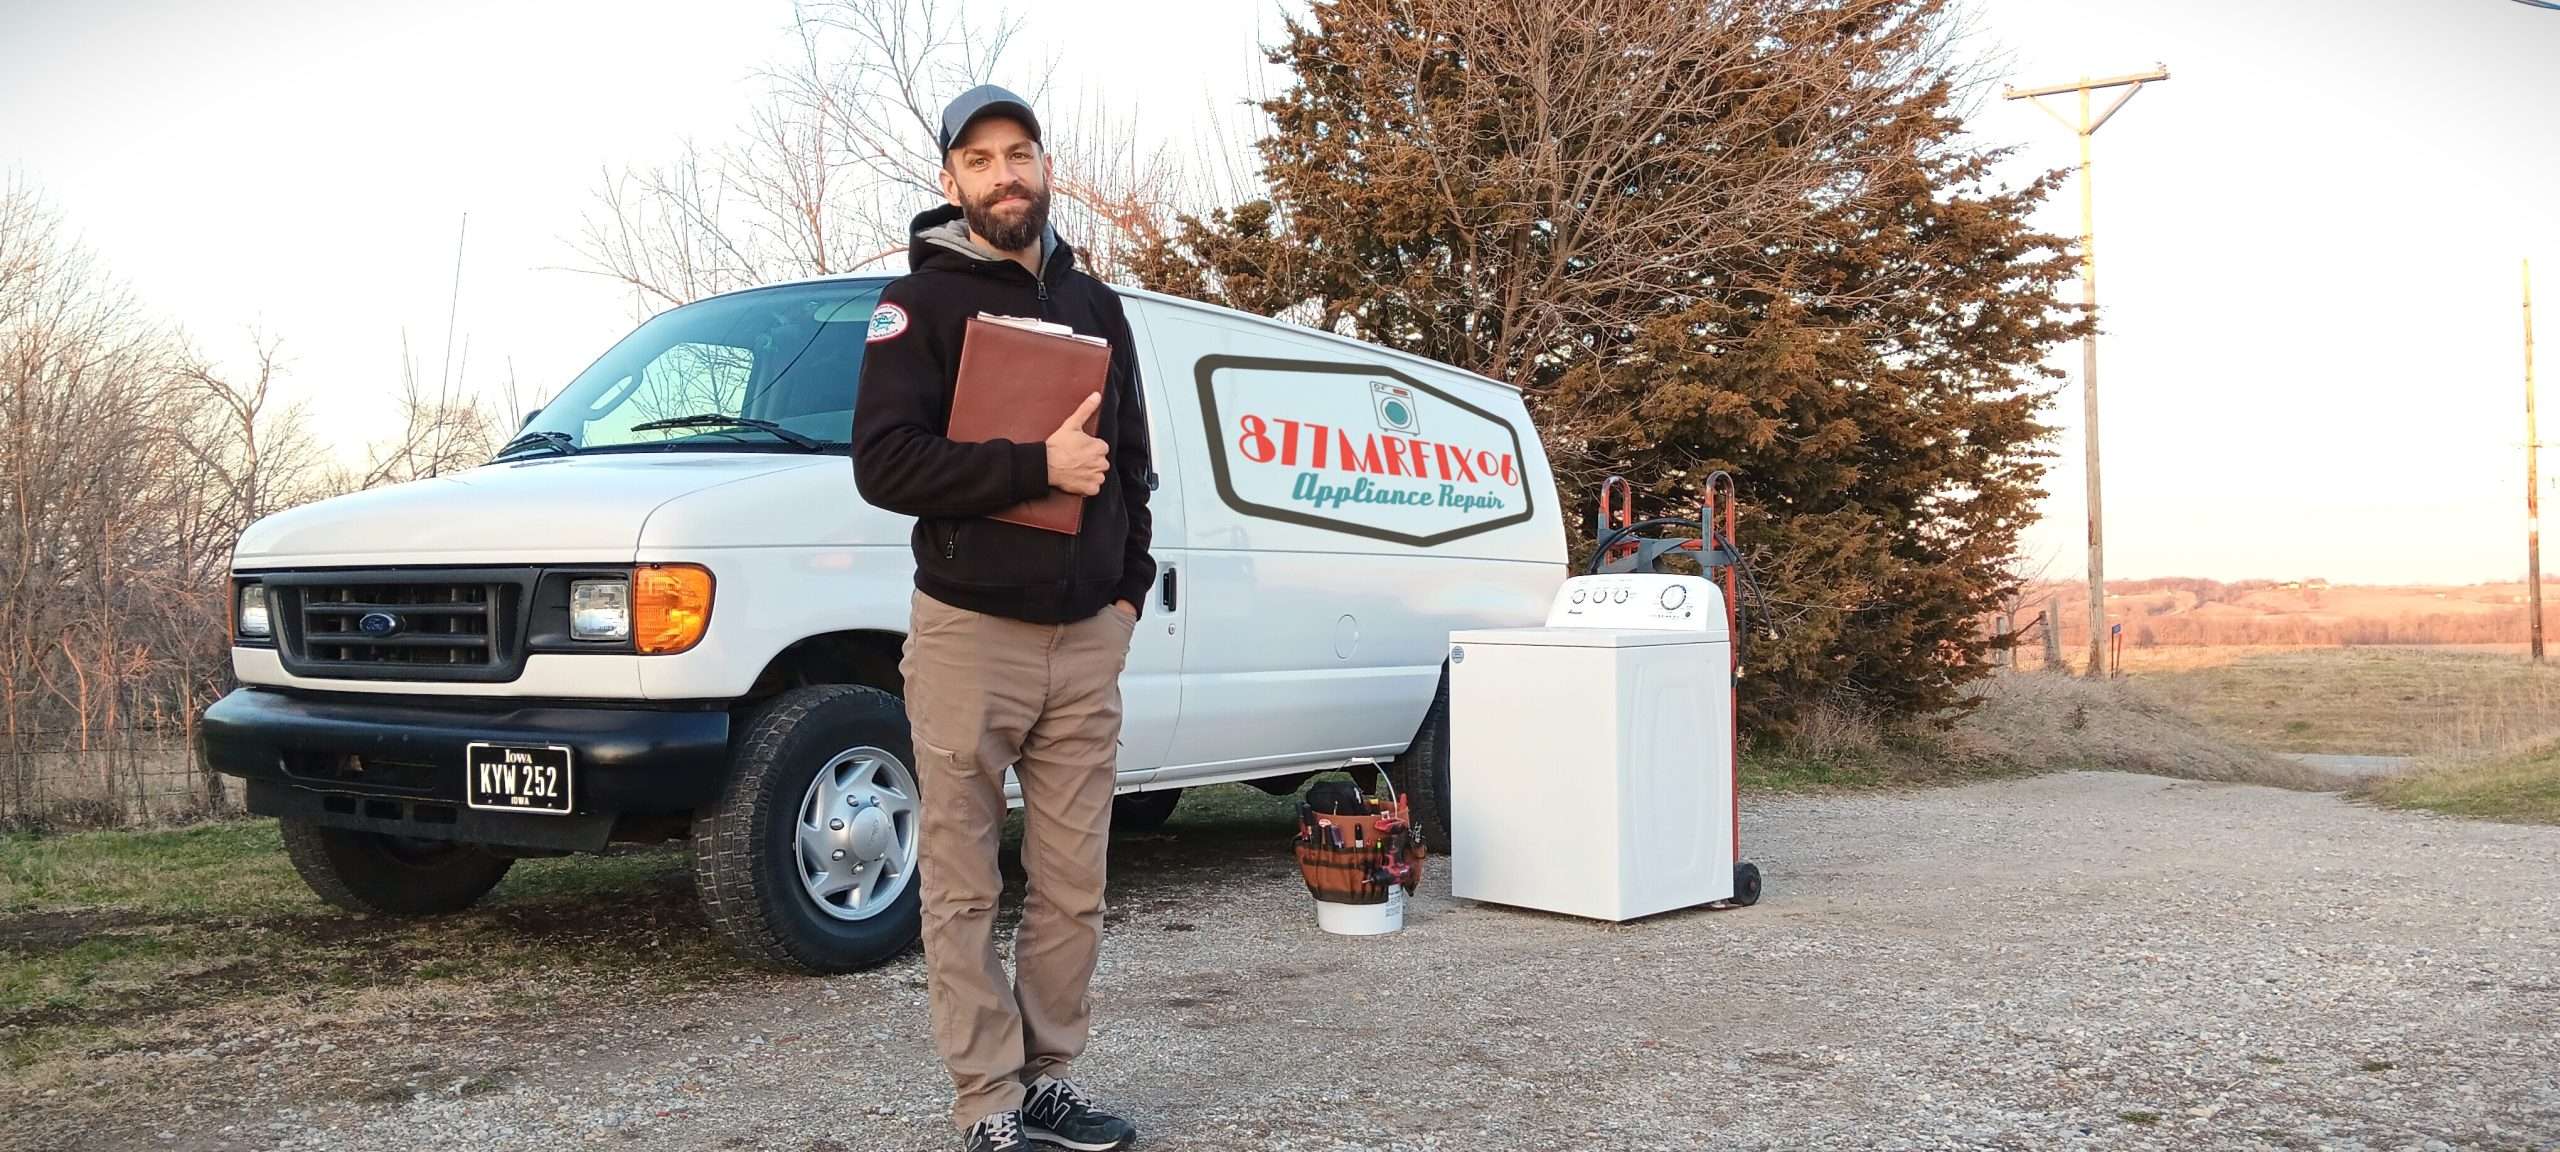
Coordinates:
[1422,773]
[1143,811]
[380,875]
[745,863]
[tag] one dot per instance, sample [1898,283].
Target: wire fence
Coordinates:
[105,778]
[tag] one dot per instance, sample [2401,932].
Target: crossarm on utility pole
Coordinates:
[2109,82]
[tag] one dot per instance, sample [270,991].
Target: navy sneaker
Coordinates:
[1000,1132]
[1060,1115]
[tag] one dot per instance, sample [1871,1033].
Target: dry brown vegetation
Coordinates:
[2018,723]
[129,463]
[2452,705]
[2060,722]
[2482,724]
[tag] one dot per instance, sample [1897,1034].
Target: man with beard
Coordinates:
[1018,636]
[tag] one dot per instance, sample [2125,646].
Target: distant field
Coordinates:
[2173,613]
[2366,701]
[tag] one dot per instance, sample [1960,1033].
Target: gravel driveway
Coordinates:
[2085,960]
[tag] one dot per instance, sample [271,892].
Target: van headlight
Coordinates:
[600,610]
[251,621]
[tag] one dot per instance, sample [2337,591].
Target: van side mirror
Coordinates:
[528,419]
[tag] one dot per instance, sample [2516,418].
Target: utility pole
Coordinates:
[2085,129]
[2532,483]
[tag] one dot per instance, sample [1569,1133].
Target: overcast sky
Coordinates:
[2308,238]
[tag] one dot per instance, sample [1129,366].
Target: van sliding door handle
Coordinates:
[1168,589]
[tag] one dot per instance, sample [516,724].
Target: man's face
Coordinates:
[999,176]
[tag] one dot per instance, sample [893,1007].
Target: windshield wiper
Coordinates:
[716,420]
[556,441]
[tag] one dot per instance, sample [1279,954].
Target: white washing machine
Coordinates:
[1591,760]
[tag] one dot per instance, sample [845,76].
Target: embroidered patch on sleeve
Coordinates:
[887,321]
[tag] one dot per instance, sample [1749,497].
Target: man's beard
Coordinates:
[1011,234]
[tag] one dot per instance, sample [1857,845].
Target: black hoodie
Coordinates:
[904,462]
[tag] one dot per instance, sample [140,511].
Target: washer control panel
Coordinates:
[1638,600]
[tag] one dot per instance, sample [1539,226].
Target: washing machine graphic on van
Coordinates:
[1395,408]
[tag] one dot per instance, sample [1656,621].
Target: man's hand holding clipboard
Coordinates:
[1077,460]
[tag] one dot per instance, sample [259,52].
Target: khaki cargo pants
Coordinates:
[985,693]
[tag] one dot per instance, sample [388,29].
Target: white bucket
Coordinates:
[1363,919]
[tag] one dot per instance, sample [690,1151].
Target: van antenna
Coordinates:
[453,309]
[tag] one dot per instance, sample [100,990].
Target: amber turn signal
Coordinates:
[670,607]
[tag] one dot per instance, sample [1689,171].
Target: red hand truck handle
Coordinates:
[1617,515]
[1716,516]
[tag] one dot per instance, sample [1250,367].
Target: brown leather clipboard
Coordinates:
[1019,384]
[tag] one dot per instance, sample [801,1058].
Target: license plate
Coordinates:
[517,778]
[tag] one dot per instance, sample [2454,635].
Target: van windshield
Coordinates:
[788,356]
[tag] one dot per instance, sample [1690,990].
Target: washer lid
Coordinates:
[1582,637]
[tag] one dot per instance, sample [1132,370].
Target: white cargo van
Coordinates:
[623,630]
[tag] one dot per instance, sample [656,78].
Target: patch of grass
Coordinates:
[2375,1066]
[573,878]
[26,1047]
[2261,1058]
[230,868]
[61,980]
[2139,1116]
[2523,787]
[1240,808]
[105,936]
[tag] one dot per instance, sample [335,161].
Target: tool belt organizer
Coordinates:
[1355,855]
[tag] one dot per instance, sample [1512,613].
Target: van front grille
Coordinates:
[402,626]
[440,624]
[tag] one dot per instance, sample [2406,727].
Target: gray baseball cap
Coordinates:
[985,100]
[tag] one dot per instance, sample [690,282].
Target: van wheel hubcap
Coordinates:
[856,839]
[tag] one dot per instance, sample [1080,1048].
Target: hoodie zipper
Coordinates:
[1067,582]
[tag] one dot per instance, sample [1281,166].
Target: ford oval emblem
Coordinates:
[378,624]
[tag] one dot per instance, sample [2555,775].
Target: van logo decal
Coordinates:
[1345,448]
[887,320]
[1395,408]
[378,624]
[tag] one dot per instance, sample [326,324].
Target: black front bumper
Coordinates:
[396,765]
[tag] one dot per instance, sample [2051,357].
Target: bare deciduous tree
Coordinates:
[96,502]
[828,172]
[129,466]
[443,428]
